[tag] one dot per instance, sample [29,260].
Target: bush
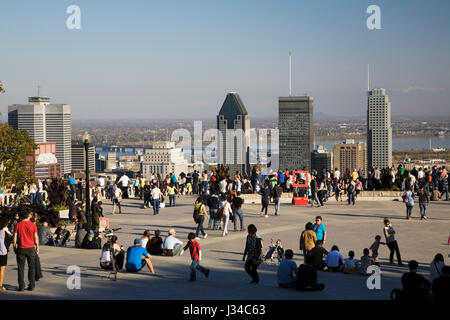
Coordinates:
[395,188]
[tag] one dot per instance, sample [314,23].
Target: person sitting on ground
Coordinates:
[172,246]
[441,286]
[436,267]
[135,260]
[307,276]
[105,257]
[155,245]
[415,286]
[145,238]
[92,240]
[366,261]
[45,235]
[334,260]
[318,253]
[351,265]
[287,271]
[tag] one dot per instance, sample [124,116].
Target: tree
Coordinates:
[1,88]
[14,146]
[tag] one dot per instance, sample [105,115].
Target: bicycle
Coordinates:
[108,235]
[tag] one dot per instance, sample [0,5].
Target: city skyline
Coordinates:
[184,60]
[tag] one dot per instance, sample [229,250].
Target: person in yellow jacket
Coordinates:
[172,195]
[308,239]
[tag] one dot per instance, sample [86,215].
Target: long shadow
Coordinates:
[365,216]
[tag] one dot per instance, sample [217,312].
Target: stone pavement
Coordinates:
[351,228]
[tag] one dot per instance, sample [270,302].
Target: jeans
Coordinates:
[172,198]
[277,205]
[423,209]
[213,218]
[195,188]
[251,268]
[408,211]
[314,198]
[351,198]
[240,214]
[28,254]
[393,246]
[265,205]
[195,265]
[201,220]
[226,218]
[32,197]
[205,186]
[156,206]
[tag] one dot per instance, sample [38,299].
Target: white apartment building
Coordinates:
[164,158]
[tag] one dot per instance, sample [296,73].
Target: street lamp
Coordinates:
[86,139]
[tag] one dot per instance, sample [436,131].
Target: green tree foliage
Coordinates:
[14,146]
[1,88]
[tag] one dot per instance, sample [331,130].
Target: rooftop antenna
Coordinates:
[39,90]
[290,75]
[368,78]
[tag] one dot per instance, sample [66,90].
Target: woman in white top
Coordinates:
[33,190]
[4,232]
[225,208]
[145,238]
[105,257]
[436,267]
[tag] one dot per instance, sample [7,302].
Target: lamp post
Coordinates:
[86,139]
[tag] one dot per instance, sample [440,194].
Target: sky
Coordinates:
[152,59]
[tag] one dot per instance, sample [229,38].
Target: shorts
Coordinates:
[358,192]
[115,201]
[3,260]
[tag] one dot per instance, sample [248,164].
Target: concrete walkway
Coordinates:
[349,227]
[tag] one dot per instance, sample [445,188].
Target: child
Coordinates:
[280,251]
[366,261]
[196,256]
[374,247]
[351,264]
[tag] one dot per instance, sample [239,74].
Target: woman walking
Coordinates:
[389,233]
[408,199]
[253,250]
[4,235]
[200,211]
[226,212]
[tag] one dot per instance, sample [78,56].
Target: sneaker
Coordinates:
[266,216]
[21,289]
[30,288]
[204,237]
[425,218]
[409,218]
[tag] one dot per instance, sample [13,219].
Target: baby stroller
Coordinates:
[275,250]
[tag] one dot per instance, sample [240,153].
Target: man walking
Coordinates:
[26,246]
[277,191]
[156,199]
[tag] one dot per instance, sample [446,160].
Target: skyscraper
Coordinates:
[321,159]
[233,122]
[45,122]
[379,130]
[79,157]
[296,136]
[350,155]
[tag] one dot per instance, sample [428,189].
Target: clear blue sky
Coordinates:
[178,59]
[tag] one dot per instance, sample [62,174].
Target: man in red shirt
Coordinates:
[26,246]
[196,256]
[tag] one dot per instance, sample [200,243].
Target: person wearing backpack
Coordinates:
[199,217]
[408,200]
[225,212]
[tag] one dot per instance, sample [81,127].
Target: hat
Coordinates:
[137,240]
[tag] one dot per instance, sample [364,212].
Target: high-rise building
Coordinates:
[350,155]
[233,122]
[164,158]
[296,135]
[100,163]
[379,130]
[321,159]
[45,122]
[42,163]
[79,157]
[111,162]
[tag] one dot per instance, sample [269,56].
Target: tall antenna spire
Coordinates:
[290,75]
[39,90]
[368,78]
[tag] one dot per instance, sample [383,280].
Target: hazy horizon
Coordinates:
[169,60]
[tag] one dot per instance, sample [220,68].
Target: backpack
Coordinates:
[196,214]
[405,198]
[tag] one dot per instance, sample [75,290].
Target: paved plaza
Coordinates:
[351,228]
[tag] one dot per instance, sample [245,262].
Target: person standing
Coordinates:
[117,195]
[320,230]
[408,200]
[226,212]
[314,189]
[200,211]
[26,246]
[237,211]
[253,250]
[195,177]
[172,195]
[423,203]
[277,192]
[4,235]
[308,239]
[124,180]
[156,199]
[351,192]
[196,256]
[265,199]
[389,233]
[213,204]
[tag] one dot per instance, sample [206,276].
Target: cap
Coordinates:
[137,240]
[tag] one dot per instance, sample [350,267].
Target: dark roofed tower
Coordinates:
[233,122]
